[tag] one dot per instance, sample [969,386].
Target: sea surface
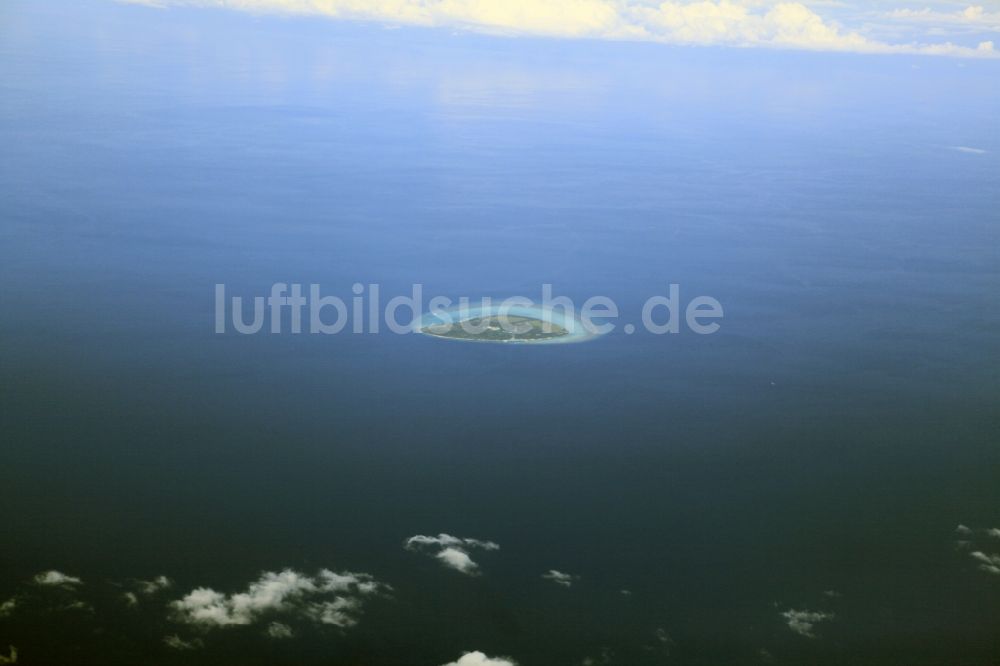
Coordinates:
[815,455]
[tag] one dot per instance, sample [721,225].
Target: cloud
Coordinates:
[144,588]
[607,656]
[559,578]
[279,630]
[340,612]
[56,578]
[327,598]
[989,563]
[275,602]
[449,540]
[47,592]
[786,24]
[450,550]
[739,23]
[153,586]
[665,642]
[480,659]
[971,151]
[972,16]
[457,559]
[178,643]
[803,621]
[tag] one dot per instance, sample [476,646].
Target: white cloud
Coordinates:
[559,578]
[7,607]
[279,630]
[480,659]
[785,24]
[457,559]
[971,151]
[328,598]
[78,605]
[973,16]
[178,643]
[145,588]
[53,577]
[153,586]
[450,550]
[607,656]
[340,612]
[989,563]
[742,23]
[666,642]
[803,621]
[449,540]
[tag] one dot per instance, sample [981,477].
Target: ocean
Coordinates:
[804,467]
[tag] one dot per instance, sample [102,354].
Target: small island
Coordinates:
[504,324]
[498,328]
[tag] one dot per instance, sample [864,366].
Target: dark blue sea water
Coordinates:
[816,454]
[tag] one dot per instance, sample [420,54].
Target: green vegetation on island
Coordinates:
[498,328]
